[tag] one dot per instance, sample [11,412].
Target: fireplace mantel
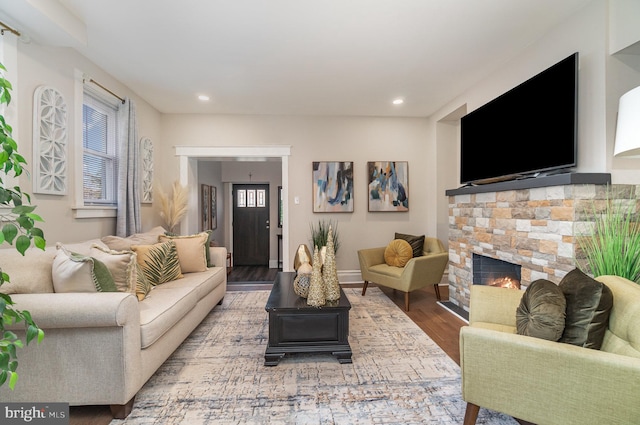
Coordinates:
[529,183]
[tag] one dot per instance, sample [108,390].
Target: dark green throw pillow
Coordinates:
[589,304]
[541,312]
[416,242]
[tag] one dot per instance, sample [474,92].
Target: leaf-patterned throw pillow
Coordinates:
[159,262]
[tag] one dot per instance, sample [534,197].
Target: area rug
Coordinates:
[398,375]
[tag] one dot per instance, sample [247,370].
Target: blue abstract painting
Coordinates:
[388,185]
[333,187]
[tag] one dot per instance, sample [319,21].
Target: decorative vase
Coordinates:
[316,296]
[303,255]
[329,272]
[303,280]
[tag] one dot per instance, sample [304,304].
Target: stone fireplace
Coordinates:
[493,272]
[531,223]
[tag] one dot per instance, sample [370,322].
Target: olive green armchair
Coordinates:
[419,272]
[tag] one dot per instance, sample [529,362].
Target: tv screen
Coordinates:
[529,129]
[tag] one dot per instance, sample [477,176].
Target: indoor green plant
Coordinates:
[612,247]
[320,234]
[18,225]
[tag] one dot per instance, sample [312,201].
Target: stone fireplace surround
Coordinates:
[533,223]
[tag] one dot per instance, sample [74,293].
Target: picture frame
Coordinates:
[205,207]
[388,186]
[332,186]
[213,210]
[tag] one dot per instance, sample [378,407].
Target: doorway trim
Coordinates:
[188,157]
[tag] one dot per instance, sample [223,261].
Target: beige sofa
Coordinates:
[101,347]
[547,382]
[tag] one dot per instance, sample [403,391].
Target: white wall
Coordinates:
[54,67]
[358,139]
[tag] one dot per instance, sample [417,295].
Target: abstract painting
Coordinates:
[333,186]
[388,185]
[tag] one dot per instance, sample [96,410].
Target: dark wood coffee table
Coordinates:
[295,327]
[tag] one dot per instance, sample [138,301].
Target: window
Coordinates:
[99,153]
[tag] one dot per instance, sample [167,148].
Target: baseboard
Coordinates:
[349,276]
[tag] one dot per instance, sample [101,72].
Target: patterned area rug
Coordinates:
[398,375]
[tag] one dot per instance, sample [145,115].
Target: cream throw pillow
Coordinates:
[121,264]
[118,243]
[191,251]
[72,272]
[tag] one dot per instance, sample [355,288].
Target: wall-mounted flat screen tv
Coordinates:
[530,129]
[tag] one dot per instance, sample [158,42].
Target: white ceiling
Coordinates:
[326,57]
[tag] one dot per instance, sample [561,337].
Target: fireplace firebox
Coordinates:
[493,272]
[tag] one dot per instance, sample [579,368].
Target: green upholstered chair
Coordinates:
[419,272]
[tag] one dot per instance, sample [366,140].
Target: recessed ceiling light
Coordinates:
[398,101]
[203,97]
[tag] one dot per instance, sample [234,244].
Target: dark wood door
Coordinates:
[251,224]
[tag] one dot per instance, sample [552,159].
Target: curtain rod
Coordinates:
[91,80]
[6,27]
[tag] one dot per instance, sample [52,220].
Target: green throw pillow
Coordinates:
[589,304]
[541,313]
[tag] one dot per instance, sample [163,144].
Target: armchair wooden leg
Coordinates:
[364,287]
[406,301]
[121,411]
[471,414]
[436,286]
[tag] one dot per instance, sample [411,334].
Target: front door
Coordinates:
[251,225]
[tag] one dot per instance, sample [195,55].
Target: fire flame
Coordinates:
[506,282]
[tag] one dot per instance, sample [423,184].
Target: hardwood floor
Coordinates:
[437,322]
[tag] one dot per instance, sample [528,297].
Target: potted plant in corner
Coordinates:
[18,226]
[611,246]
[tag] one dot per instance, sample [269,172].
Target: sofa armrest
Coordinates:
[427,268]
[370,257]
[218,256]
[80,310]
[491,304]
[547,382]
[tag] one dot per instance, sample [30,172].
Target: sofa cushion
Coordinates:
[192,251]
[162,310]
[589,303]
[397,253]
[541,312]
[72,272]
[416,242]
[147,238]
[159,262]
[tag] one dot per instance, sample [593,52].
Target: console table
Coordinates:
[295,327]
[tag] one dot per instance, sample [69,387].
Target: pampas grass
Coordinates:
[614,246]
[173,207]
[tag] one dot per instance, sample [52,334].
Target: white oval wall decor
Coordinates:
[49,141]
[146,156]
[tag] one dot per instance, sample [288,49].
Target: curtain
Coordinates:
[128,220]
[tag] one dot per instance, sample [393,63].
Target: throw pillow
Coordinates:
[416,242]
[541,312]
[118,243]
[121,264]
[72,272]
[159,262]
[143,286]
[191,251]
[398,253]
[589,304]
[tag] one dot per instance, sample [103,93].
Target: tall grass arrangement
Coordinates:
[614,246]
[320,234]
[173,206]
